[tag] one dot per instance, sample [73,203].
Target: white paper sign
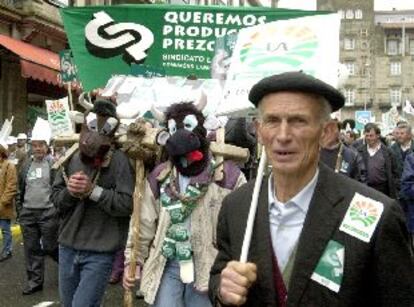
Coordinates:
[309,44]
[59,117]
[362,217]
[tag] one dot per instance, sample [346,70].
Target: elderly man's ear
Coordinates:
[329,131]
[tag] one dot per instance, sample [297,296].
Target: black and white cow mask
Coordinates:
[186,138]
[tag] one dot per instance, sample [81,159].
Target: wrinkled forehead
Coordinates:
[288,100]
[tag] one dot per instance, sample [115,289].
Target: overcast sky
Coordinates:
[380,5]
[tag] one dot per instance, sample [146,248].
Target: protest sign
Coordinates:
[107,40]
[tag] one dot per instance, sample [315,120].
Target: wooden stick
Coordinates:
[67,155]
[138,195]
[227,151]
[218,174]
[253,208]
[70,96]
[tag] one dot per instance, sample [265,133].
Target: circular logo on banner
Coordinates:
[291,47]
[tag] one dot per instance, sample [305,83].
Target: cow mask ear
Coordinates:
[162,137]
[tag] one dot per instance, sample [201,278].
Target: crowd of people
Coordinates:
[334,224]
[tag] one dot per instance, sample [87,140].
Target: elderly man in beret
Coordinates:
[319,238]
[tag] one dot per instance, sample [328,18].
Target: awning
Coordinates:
[36,63]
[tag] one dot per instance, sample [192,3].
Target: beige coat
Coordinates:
[8,189]
[154,222]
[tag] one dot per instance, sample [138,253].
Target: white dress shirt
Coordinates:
[286,219]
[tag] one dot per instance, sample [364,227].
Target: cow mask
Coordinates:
[98,131]
[185,141]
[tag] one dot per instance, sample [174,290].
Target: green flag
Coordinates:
[107,40]
[67,67]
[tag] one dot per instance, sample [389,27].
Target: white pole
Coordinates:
[253,207]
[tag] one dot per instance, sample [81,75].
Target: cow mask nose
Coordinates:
[182,142]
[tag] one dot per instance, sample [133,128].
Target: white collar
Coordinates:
[301,199]
[373,151]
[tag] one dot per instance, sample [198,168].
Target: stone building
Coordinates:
[378,50]
[31,34]
[394,59]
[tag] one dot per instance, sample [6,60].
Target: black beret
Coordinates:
[104,107]
[296,82]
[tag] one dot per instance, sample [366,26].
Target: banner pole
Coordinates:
[253,207]
[70,95]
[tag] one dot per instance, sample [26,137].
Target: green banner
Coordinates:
[107,40]
[67,67]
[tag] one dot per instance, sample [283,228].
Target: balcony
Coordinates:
[42,11]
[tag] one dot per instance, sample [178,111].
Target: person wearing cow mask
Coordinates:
[93,194]
[179,213]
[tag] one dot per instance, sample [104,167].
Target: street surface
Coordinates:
[13,277]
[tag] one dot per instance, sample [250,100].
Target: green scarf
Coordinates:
[177,243]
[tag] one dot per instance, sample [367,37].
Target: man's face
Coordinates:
[396,133]
[291,131]
[21,142]
[403,136]
[335,137]
[39,149]
[372,138]
[349,138]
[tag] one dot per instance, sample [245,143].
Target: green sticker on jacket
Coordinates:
[330,268]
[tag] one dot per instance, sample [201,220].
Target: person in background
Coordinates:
[319,238]
[237,133]
[407,192]
[23,150]
[36,213]
[402,147]
[8,189]
[22,145]
[350,137]
[58,152]
[341,158]
[381,167]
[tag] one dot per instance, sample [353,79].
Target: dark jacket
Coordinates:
[390,168]
[22,181]
[98,226]
[407,190]
[351,163]
[399,161]
[377,273]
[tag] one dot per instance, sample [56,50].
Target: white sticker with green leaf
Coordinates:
[362,217]
[330,268]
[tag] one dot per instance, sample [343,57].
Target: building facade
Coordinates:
[378,50]
[31,34]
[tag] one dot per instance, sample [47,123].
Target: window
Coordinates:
[349,94]
[364,45]
[358,14]
[349,14]
[349,43]
[393,47]
[363,32]
[351,68]
[395,68]
[411,46]
[395,96]
[341,14]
